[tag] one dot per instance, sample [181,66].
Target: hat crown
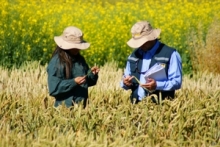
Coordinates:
[72,34]
[140,29]
[71,38]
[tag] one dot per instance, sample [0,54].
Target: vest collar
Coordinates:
[150,51]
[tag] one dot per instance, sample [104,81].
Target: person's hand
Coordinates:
[95,70]
[80,80]
[150,84]
[127,81]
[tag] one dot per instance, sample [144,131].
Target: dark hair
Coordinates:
[65,60]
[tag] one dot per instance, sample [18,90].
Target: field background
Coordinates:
[27,29]
[27,115]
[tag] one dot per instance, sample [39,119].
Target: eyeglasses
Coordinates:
[139,71]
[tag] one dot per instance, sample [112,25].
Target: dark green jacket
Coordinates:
[66,90]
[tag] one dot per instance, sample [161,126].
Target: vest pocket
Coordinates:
[133,65]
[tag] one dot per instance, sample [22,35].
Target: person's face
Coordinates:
[148,45]
[74,51]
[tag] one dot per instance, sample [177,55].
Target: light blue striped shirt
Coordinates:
[174,80]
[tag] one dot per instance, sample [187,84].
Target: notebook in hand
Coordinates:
[156,72]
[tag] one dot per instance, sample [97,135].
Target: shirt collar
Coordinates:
[152,50]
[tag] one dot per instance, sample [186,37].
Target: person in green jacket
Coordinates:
[69,76]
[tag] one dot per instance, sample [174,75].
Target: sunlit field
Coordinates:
[28,117]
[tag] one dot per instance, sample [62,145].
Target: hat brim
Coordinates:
[136,43]
[67,45]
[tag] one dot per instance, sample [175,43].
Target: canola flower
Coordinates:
[29,28]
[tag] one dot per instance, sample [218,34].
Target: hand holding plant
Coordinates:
[95,70]
[80,80]
[127,80]
[150,84]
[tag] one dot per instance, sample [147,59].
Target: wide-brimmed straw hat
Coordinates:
[142,32]
[72,38]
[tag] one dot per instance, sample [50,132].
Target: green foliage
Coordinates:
[205,52]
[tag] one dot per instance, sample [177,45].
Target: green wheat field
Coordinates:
[28,117]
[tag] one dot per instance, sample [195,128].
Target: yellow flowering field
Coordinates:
[27,28]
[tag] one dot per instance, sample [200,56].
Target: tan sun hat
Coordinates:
[142,32]
[72,37]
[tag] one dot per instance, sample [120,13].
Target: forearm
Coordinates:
[168,85]
[92,79]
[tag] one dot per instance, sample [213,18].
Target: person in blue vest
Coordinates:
[148,52]
[69,76]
